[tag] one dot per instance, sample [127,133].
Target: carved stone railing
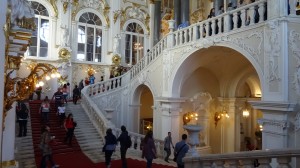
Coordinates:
[282,159]
[245,16]
[98,116]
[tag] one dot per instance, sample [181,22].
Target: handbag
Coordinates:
[176,154]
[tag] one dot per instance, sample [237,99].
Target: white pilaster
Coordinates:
[3,8]
[8,144]
[275,123]
[151,24]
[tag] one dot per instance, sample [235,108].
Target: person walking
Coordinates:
[45,109]
[181,148]
[45,146]
[76,94]
[61,114]
[58,96]
[149,151]
[22,114]
[109,147]
[65,93]
[125,143]
[69,125]
[167,146]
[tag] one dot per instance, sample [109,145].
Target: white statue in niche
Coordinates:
[65,36]
[116,44]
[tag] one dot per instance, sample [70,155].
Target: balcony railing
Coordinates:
[266,158]
[245,16]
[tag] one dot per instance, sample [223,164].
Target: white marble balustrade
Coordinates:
[245,16]
[285,158]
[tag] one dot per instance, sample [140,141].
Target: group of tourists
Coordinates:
[148,147]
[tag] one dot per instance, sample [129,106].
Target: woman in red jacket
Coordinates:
[69,125]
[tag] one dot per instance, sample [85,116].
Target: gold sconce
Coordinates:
[219,115]
[19,89]
[189,116]
[246,112]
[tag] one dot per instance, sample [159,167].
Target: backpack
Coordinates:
[128,142]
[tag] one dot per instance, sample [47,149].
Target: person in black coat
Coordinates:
[123,138]
[22,114]
[76,94]
[109,147]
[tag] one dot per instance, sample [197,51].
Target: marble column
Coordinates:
[177,13]
[276,124]
[152,15]
[185,11]
[157,21]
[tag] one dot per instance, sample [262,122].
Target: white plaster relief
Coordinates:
[294,42]
[272,50]
[92,3]
[247,44]
[297,122]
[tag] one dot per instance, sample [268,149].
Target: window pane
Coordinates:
[81,34]
[98,47]
[90,43]
[127,49]
[33,45]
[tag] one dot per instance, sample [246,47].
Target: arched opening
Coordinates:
[231,81]
[144,98]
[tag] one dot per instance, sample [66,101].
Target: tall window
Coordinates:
[40,36]
[89,38]
[134,43]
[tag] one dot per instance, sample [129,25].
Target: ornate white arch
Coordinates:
[135,21]
[47,5]
[175,76]
[102,18]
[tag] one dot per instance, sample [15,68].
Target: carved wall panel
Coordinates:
[294,43]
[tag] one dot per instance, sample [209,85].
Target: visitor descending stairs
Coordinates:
[87,136]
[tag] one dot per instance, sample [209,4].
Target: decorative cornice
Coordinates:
[273,106]
[278,123]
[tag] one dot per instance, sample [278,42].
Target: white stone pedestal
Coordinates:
[193,138]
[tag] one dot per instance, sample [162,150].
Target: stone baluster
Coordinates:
[219,164]
[235,20]
[133,141]
[185,36]
[180,37]
[194,32]
[232,163]
[247,163]
[251,13]
[243,17]
[219,25]
[138,142]
[261,11]
[207,164]
[201,31]
[176,38]
[227,23]
[213,27]
[207,29]
[284,162]
[264,162]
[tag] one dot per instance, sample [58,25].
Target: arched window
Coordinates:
[89,38]
[134,43]
[40,36]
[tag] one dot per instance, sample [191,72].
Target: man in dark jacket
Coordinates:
[123,138]
[22,114]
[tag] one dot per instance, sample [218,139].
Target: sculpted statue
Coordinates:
[20,9]
[116,44]
[65,36]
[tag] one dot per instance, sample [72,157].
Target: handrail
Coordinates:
[237,159]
